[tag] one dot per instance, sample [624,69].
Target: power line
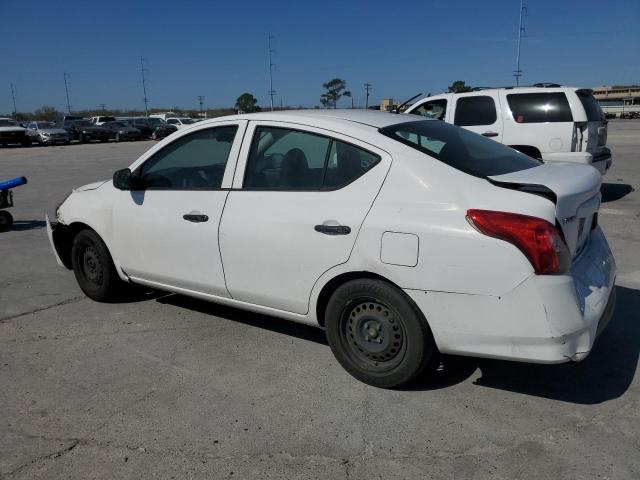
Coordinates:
[367,88]
[103,106]
[518,72]
[13,96]
[66,90]
[143,70]
[272,92]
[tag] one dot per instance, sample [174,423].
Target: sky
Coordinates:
[218,49]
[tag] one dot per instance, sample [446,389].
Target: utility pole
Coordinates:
[103,106]
[13,96]
[272,92]
[518,72]
[367,88]
[201,101]
[66,89]
[144,86]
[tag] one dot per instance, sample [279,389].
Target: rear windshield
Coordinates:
[591,106]
[539,107]
[460,148]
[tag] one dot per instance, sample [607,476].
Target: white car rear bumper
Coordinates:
[545,319]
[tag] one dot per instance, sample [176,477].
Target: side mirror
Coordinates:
[123,179]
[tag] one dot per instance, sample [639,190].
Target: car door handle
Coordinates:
[333,229]
[490,134]
[195,217]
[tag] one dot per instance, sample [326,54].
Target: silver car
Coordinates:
[46,133]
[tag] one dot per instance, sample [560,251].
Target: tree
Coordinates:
[459,86]
[47,113]
[335,89]
[247,103]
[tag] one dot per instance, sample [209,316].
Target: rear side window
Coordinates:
[459,148]
[591,106]
[539,107]
[284,159]
[477,110]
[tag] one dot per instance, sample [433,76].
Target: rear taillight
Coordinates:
[539,240]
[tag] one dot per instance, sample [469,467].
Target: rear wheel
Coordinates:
[6,220]
[377,334]
[94,269]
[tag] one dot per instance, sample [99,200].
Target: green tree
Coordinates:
[247,103]
[335,89]
[459,86]
[46,113]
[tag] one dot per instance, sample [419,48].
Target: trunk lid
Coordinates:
[574,188]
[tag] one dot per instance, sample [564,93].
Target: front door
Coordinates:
[297,205]
[166,231]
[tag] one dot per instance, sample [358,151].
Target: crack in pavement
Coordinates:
[41,309]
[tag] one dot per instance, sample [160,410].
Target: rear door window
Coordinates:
[459,148]
[539,107]
[476,110]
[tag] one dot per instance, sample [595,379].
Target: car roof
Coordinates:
[352,117]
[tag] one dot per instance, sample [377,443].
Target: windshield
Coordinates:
[118,124]
[83,123]
[187,121]
[156,121]
[459,148]
[44,124]
[7,122]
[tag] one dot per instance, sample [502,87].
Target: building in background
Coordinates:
[619,100]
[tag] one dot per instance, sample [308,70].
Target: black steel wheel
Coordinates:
[377,333]
[93,267]
[6,220]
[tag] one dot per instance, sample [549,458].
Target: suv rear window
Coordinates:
[459,148]
[476,110]
[539,107]
[591,106]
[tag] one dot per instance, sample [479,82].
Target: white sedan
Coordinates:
[400,237]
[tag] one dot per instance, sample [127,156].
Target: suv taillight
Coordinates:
[539,240]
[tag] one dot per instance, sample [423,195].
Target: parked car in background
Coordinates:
[85,131]
[13,134]
[152,127]
[122,131]
[399,236]
[99,120]
[180,122]
[547,121]
[47,133]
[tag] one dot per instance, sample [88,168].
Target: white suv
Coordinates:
[546,121]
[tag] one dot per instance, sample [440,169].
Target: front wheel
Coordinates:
[6,220]
[94,269]
[378,334]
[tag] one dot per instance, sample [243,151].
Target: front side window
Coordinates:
[284,159]
[459,148]
[477,110]
[434,109]
[539,107]
[194,162]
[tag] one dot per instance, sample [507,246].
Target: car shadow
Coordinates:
[273,324]
[614,191]
[604,375]
[23,225]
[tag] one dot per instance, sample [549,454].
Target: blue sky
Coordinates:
[219,49]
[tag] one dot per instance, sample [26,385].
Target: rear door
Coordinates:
[300,196]
[595,140]
[480,113]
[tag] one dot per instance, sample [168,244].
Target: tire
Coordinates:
[93,268]
[154,135]
[26,143]
[377,333]
[6,220]
[82,139]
